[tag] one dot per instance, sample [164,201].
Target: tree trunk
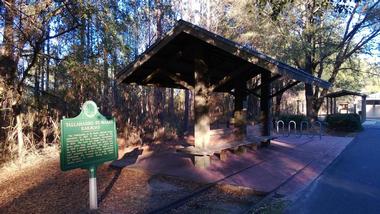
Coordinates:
[48,60]
[115,95]
[42,74]
[310,112]
[277,107]
[309,56]
[7,65]
[8,69]
[82,38]
[308,87]
[105,81]
[159,17]
[159,93]
[171,111]
[37,84]
[8,29]
[88,49]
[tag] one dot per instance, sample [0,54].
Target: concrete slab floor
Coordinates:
[286,166]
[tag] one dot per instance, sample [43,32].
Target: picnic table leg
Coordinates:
[223,155]
[202,161]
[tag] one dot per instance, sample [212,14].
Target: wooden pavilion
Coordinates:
[331,101]
[190,57]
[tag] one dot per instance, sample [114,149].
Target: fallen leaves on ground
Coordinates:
[44,188]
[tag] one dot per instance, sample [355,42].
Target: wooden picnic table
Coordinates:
[220,150]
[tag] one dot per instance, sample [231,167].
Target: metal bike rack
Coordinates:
[295,127]
[302,127]
[278,127]
[314,133]
[320,129]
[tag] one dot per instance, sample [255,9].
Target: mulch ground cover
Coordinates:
[44,188]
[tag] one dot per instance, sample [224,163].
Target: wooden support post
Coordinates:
[265,104]
[334,105]
[240,121]
[201,111]
[327,106]
[364,108]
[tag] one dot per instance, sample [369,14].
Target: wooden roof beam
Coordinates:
[174,77]
[177,79]
[288,86]
[274,78]
[150,76]
[232,76]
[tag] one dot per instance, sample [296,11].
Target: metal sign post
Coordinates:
[93,188]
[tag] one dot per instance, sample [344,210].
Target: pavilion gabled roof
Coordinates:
[344,93]
[169,62]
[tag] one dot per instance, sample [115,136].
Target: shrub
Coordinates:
[344,122]
[298,118]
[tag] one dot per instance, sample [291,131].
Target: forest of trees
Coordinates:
[57,54]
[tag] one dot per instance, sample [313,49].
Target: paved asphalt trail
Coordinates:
[351,184]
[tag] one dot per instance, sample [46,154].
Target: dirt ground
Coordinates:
[43,188]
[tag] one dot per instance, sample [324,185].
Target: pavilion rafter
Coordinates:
[288,86]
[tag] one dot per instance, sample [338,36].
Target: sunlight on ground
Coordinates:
[278,142]
[30,163]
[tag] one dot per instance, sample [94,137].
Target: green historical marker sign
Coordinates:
[88,139]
